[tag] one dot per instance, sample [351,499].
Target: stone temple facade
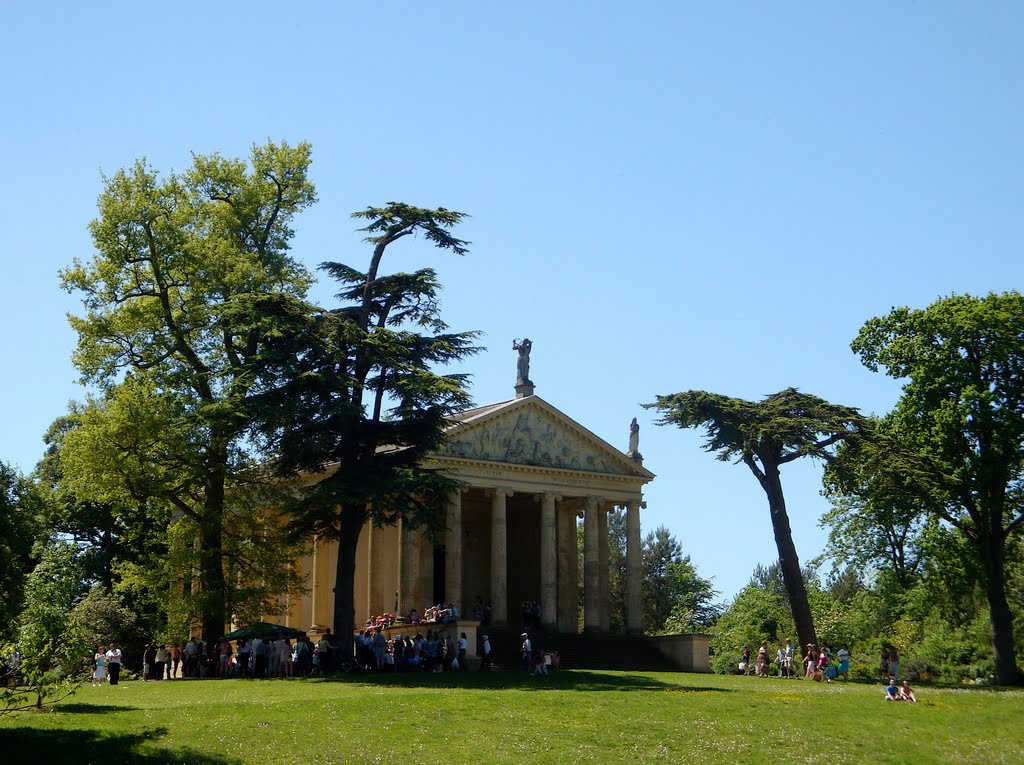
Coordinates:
[531,472]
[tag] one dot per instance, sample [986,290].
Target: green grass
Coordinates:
[502,717]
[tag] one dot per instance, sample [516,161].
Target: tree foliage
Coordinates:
[880,491]
[161,337]
[352,400]
[963,408]
[764,436]
[18,530]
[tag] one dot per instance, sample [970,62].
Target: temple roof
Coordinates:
[529,431]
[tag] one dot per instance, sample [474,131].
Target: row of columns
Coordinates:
[595,556]
[557,542]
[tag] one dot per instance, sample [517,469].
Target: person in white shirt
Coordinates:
[485,662]
[113,657]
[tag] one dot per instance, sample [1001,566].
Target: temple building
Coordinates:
[530,472]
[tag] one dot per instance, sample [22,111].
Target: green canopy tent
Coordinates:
[265,631]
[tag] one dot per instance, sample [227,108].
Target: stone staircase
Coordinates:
[589,651]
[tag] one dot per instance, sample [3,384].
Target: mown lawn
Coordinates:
[503,717]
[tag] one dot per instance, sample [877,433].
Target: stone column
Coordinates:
[591,586]
[408,560]
[499,556]
[568,568]
[549,561]
[603,598]
[319,618]
[453,551]
[371,579]
[306,610]
[634,570]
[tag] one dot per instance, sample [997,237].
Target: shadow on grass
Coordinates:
[91,709]
[77,747]
[564,680]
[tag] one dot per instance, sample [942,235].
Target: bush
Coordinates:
[863,672]
[920,670]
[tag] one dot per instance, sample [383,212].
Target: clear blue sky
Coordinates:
[665,196]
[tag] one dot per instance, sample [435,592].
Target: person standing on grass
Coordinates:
[745,661]
[883,663]
[894,663]
[789,656]
[844,662]
[99,674]
[527,651]
[191,665]
[225,656]
[810,660]
[762,659]
[172,667]
[159,662]
[113,662]
[780,659]
[148,659]
[242,656]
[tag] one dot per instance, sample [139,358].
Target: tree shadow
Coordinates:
[78,747]
[91,709]
[562,680]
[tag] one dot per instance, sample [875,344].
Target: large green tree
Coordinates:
[166,338]
[18,530]
[879,492]
[353,400]
[764,436]
[963,407]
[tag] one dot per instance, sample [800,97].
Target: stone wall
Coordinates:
[689,652]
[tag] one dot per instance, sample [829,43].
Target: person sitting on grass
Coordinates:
[907,693]
[892,691]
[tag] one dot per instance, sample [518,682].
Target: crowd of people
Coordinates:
[817,662]
[432,652]
[820,664]
[439,613]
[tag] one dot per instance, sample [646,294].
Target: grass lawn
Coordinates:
[503,717]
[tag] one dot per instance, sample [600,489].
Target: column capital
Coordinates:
[552,495]
[500,491]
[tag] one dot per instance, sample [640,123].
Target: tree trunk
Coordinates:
[211,576]
[1000,618]
[789,563]
[352,520]
[211,555]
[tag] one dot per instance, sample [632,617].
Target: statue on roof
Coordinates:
[634,442]
[524,347]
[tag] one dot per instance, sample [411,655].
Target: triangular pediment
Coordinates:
[529,431]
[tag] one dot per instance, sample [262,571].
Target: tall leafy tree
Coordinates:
[18,530]
[764,436]
[879,490]
[675,597]
[162,339]
[963,406]
[353,398]
[660,551]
